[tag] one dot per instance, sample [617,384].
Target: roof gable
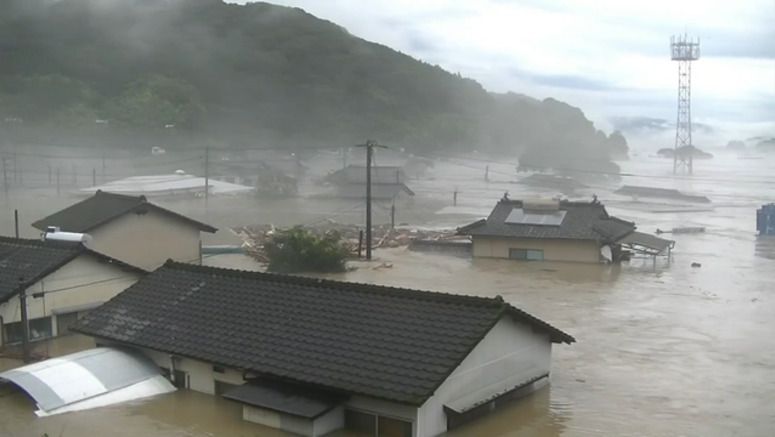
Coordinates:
[581,221]
[102,208]
[384,342]
[24,262]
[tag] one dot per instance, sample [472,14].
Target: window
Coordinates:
[527,254]
[363,424]
[39,330]
[67,320]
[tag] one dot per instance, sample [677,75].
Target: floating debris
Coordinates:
[255,236]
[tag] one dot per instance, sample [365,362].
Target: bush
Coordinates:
[299,250]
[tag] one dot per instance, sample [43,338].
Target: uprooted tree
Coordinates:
[299,250]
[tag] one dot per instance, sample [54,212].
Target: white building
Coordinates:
[131,229]
[311,356]
[62,282]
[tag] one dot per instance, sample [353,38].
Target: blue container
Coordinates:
[765,219]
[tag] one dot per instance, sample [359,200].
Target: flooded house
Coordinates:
[311,356]
[131,229]
[61,281]
[548,230]
[387,183]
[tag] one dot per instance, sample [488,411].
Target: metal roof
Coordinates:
[301,401]
[647,241]
[88,379]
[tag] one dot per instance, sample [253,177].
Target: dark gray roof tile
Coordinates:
[583,221]
[103,207]
[385,342]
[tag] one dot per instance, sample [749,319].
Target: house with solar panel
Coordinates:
[131,229]
[61,281]
[312,356]
[554,230]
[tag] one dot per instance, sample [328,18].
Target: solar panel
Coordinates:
[519,216]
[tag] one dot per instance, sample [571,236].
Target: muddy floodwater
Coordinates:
[665,350]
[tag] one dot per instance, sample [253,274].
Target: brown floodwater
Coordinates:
[670,350]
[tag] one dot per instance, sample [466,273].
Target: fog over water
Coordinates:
[661,351]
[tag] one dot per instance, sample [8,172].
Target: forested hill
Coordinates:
[255,74]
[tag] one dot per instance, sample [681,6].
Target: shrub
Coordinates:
[299,250]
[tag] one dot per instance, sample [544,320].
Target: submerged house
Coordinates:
[311,356]
[131,229]
[548,231]
[387,183]
[61,281]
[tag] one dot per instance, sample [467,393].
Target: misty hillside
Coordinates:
[256,75]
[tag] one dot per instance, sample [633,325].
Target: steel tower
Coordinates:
[684,50]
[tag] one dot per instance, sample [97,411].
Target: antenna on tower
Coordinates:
[684,50]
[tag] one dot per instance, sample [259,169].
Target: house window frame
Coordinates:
[375,416]
[526,254]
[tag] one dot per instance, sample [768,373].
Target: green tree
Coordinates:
[156,101]
[299,250]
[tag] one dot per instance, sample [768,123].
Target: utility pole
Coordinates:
[16,223]
[207,174]
[393,215]
[370,145]
[25,321]
[487,174]
[5,176]
[93,177]
[454,197]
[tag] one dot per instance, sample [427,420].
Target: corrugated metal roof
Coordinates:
[88,379]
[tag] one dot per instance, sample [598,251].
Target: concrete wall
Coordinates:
[147,240]
[554,249]
[508,356]
[89,283]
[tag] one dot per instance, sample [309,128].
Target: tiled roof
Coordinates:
[390,343]
[24,262]
[583,221]
[378,191]
[354,174]
[103,207]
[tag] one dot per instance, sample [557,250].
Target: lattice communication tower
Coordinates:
[684,50]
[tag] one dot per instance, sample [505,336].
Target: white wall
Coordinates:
[147,240]
[508,356]
[93,282]
[554,249]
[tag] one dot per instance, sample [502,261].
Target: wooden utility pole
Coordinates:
[207,174]
[25,321]
[5,176]
[16,223]
[393,215]
[93,177]
[370,145]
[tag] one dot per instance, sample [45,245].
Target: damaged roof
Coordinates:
[390,343]
[103,207]
[582,221]
[24,262]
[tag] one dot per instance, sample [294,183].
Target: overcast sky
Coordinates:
[609,57]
